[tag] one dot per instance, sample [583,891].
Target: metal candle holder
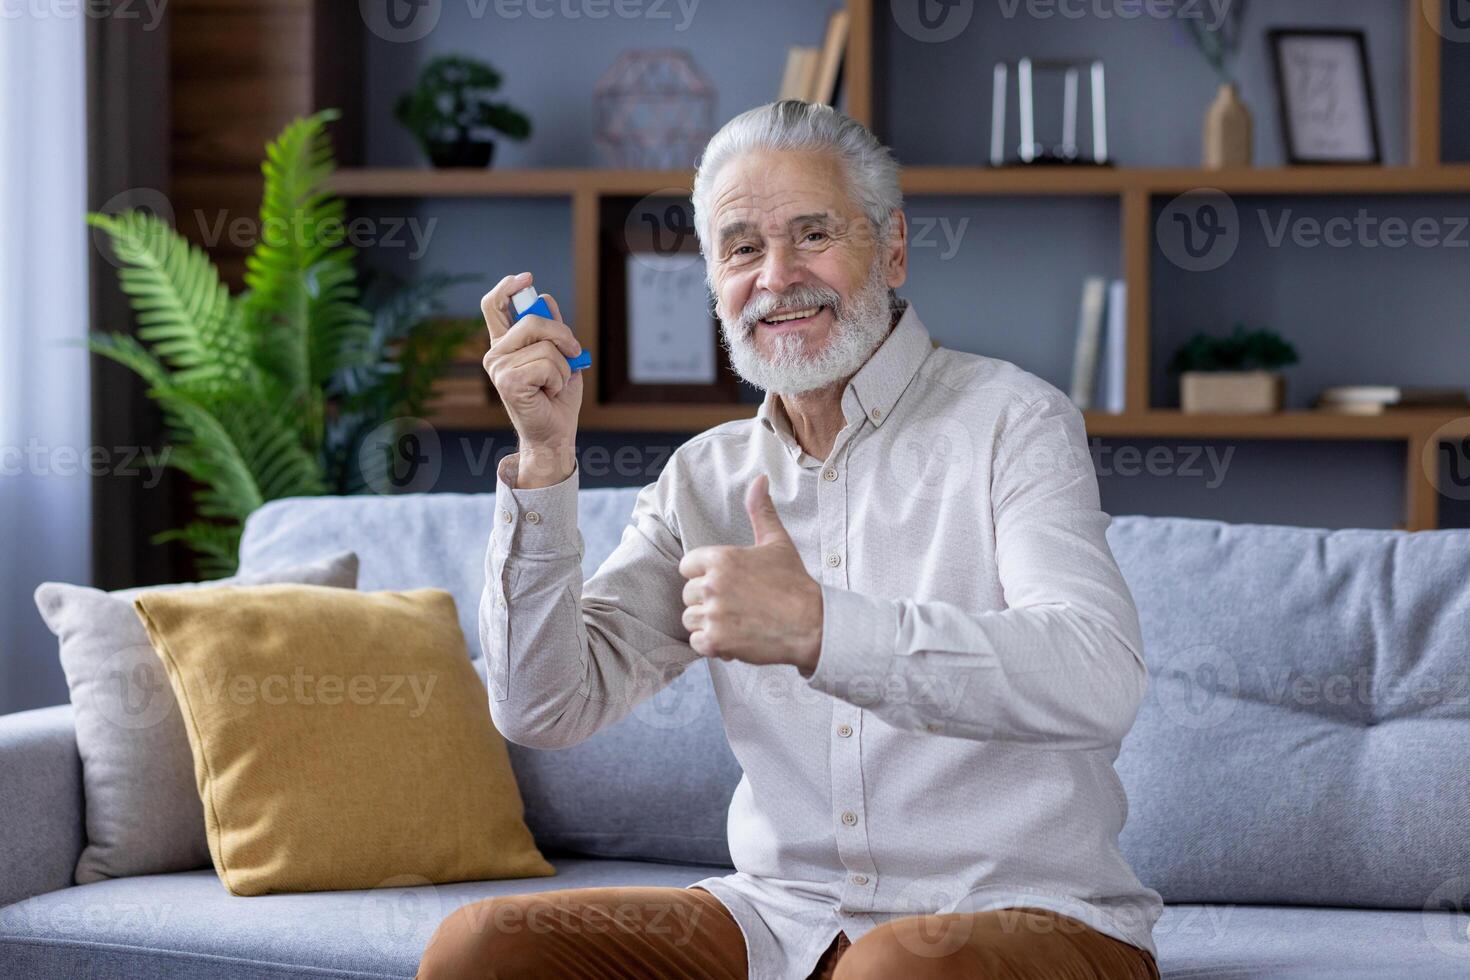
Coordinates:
[1030,151]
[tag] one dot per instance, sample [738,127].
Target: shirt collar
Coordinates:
[874,389]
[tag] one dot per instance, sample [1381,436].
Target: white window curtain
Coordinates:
[45,464]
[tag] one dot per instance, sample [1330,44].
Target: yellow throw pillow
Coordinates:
[340,738]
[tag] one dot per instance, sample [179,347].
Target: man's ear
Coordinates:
[896,261]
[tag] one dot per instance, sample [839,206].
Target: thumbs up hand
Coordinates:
[755,604]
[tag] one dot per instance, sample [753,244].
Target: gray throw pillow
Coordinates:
[142,807]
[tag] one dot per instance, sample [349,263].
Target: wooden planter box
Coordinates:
[1231,392]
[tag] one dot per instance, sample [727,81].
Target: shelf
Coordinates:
[980,181]
[1159,423]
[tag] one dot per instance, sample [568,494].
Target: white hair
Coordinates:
[871,170]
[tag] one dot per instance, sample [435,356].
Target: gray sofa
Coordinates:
[1298,775]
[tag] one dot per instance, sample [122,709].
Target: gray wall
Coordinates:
[1002,276]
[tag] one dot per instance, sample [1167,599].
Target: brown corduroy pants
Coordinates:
[663,933]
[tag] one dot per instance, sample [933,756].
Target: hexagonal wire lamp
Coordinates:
[655,110]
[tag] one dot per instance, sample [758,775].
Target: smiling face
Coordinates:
[800,280]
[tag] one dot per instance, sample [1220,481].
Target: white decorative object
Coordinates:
[671,338]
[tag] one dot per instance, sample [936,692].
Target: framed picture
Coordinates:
[660,340]
[1325,94]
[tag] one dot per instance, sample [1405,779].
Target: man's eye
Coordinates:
[741,249]
[816,236]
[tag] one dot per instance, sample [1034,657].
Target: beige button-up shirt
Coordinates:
[981,657]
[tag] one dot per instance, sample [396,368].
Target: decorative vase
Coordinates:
[1227,131]
[1231,392]
[462,152]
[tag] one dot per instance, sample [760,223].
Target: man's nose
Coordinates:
[780,269]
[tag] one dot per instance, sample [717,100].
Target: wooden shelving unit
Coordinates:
[1136,189]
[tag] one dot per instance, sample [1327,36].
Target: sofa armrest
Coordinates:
[42,823]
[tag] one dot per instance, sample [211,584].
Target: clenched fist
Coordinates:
[527,363]
[755,604]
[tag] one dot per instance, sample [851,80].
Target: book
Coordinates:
[1115,359]
[796,80]
[829,62]
[1089,332]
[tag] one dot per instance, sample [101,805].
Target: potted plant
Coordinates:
[451,114]
[1236,374]
[272,393]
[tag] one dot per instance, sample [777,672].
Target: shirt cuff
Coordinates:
[537,521]
[859,640]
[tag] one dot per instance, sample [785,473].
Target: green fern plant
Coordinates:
[263,393]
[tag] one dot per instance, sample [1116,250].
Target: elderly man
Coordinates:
[923,651]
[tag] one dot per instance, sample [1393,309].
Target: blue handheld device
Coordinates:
[524,302]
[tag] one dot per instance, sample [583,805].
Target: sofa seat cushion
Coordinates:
[186,926]
[1277,942]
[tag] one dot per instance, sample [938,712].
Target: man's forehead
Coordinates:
[769,182]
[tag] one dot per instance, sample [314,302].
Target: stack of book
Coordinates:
[812,74]
[1383,399]
[1102,346]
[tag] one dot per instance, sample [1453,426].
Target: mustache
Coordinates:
[797,297]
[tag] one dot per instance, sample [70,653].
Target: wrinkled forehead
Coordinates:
[766,190]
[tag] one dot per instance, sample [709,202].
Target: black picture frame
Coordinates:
[629,226]
[1278,38]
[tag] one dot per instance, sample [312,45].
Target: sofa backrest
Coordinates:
[656,785]
[1303,738]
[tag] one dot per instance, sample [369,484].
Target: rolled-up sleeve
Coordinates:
[565,659]
[1062,665]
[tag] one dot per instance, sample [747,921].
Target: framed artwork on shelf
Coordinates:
[660,339]
[1324,91]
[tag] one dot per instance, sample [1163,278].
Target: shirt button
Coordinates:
[876,413]
[829,474]
[532,517]
[859,879]
[849,818]
[505,517]
[500,600]
[844,730]
[833,560]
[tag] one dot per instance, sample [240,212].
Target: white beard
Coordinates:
[862,324]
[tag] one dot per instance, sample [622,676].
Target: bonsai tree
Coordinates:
[1242,350]
[269,393]
[450,112]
